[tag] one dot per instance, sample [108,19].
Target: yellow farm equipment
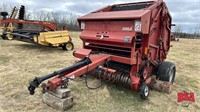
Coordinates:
[1,30]
[55,38]
[48,36]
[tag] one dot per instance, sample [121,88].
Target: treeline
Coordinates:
[186,35]
[59,19]
[178,33]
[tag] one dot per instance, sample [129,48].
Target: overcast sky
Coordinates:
[184,12]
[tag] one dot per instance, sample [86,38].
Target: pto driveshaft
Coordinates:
[38,80]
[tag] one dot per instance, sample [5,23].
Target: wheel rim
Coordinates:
[146,91]
[9,37]
[171,75]
[68,46]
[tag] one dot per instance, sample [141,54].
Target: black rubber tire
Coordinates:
[166,71]
[64,47]
[144,91]
[4,37]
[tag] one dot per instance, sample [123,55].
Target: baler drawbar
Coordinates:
[38,80]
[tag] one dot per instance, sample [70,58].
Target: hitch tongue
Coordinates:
[32,85]
[38,80]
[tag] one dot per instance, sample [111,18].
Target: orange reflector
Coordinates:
[146,51]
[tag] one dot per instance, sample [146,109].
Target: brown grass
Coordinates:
[20,62]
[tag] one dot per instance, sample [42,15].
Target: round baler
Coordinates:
[125,44]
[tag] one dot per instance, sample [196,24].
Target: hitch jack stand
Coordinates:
[60,99]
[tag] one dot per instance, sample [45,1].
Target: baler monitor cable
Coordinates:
[86,78]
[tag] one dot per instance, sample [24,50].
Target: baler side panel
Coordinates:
[167,27]
[161,23]
[145,19]
[155,30]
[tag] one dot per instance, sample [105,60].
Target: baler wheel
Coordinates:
[68,46]
[166,71]
[144,91]
[4,37]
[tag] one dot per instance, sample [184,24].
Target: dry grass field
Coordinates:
[20,62]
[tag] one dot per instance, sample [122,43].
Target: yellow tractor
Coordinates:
[48,36]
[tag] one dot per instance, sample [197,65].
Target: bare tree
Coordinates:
[56,16]
[68,20]
[178,31]
[197,31]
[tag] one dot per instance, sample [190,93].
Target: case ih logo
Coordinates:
[185,98]
[127,29]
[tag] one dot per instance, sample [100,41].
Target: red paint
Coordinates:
[148,81]
[97,60]
[185,96]
[49,25]
[115,36]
